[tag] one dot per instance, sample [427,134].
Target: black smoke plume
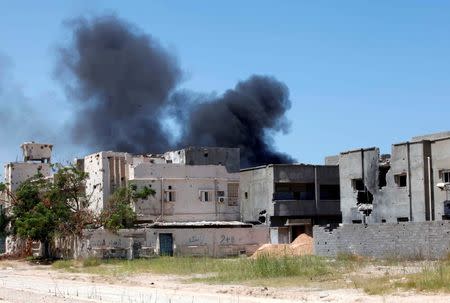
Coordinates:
[124,84]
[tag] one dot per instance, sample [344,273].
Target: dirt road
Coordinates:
[21,282]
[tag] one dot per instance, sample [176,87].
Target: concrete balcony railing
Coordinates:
[306,208]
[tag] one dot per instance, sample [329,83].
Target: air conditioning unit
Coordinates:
[221,199]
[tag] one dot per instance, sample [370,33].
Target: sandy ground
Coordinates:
[22,282]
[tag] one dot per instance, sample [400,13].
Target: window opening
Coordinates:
[400,180]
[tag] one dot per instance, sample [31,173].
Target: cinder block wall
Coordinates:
[428,240]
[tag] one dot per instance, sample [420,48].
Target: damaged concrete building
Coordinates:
[36,159]
[196,196]
[398,201]
[290,198]
[398,187]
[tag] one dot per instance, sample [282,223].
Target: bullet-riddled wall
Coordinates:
[396,188]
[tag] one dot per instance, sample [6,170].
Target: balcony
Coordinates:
[292,204]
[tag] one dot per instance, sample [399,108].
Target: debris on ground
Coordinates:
[302,245]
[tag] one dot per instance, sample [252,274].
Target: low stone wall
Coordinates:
[135,243]
[409,240]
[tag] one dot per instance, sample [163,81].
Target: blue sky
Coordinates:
[360,73]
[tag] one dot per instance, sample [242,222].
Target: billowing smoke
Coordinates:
[124,84]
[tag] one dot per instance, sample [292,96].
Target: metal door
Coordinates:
[166,244]
[2,244]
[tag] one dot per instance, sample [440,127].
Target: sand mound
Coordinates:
[302,245]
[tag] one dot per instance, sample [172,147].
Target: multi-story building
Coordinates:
[36,159]
[410,184]
[196,194]
[290,198]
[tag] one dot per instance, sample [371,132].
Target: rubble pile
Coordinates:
[302,245]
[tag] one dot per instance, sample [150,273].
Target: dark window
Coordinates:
[364,197]
[402,219]
[382,172]
[400,180]
[246,195]
[294,191]
[358,184]
[329,192]
[446,176]
[357,221]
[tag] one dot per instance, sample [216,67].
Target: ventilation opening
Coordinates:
[357,221]
[402,219]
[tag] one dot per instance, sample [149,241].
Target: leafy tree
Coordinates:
[119,212]
[46,208]
[32,215]
[4,219]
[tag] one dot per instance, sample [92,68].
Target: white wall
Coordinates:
[216,242]
[186,182]
[18,172]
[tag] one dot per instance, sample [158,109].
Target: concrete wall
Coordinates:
[257,187]
[185,183]
[107,171]
[393,202]
[390,202]
[214,242]
[36,151]
[228,157]
[440,150]
[18,172]
[429,240]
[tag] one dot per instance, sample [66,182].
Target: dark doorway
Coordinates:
[166,244]
[297,230]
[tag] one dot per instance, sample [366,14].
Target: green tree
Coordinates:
[45,209]
[119,212]
[32,215]
[4,219]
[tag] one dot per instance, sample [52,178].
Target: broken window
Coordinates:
[382,172]
[262,216]
[329,192]
[358,184]
[400,180]
[233,194]
[364,197]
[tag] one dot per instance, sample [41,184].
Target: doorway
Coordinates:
[166,244]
